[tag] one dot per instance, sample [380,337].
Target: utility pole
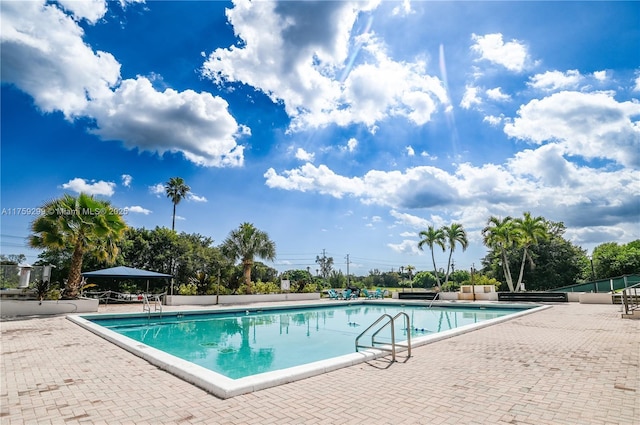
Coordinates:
[348,281]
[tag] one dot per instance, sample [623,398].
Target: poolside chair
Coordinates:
[333,294]
[379,293]
[346,294]
[367,294]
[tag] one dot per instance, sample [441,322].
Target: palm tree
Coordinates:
[499,235]
[454,234]
[432,237]
[82,225]
[529,231]
[245,243]
[410,270]
[177,190]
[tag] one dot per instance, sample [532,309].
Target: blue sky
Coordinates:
[344,126]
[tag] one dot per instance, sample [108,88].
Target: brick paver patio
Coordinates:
[571,364]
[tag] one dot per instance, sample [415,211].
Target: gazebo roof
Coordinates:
[126,273]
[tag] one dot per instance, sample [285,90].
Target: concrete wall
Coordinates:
[10,307]
[237,299]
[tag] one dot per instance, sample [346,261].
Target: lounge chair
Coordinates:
[380,293]
[333,294]
[346,294]
[367,294]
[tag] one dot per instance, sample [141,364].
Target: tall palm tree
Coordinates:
[245,243]
[176,190]
[499,235]
[529,231]
[83,225]
[432,237]
[454,235]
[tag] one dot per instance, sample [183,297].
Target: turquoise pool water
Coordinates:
[244,343]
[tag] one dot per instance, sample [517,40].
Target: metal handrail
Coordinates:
[391,320]
[433,299]
[631,301]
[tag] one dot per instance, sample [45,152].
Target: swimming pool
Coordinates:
[234,351]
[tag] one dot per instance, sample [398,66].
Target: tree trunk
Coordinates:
[507,270]
[75,270]
[247,275]
[521,275]
[435,270]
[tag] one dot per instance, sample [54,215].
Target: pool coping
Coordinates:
[224,387]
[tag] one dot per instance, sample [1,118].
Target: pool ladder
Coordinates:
[384,346]
[146,304]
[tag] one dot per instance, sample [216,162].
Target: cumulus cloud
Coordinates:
[542,180]
[44,55]
[303,155]
[352,144]
[90,187]
[157,189]
[555,80]
[195,198]
[410,151]
[470,97]
[498,95]
[513,54]
[196,124]
[126,180]
[591,125]
[298,54]
[139,210]
[407,246]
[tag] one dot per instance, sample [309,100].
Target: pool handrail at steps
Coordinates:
[393,337]
[631,300]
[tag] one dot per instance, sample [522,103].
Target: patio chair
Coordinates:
[380,293]
[367,294]
[346,294]
[333,294]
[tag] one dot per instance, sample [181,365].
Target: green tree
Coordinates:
[424,279]
[245,243]
[86,224]
[454,235]
[529,231]
[326,265]
[432,237]
[176,190]
[611,259]
[498,235]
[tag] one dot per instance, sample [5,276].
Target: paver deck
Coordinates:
[570,364]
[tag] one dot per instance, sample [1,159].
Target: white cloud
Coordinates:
[512,55]
[410,151]
[555,80]
[126,180]
[636,87]
[352,144]
[305,156]
[591,125]
[139,210]
[91,187]
[543,181]
[195,198]
[43,54]
[496,94]
[492,120]
[470,97]
[157,189]
[196,124]
[600,75]
[402,9]
[410,220]
[407,246]
[298,54]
